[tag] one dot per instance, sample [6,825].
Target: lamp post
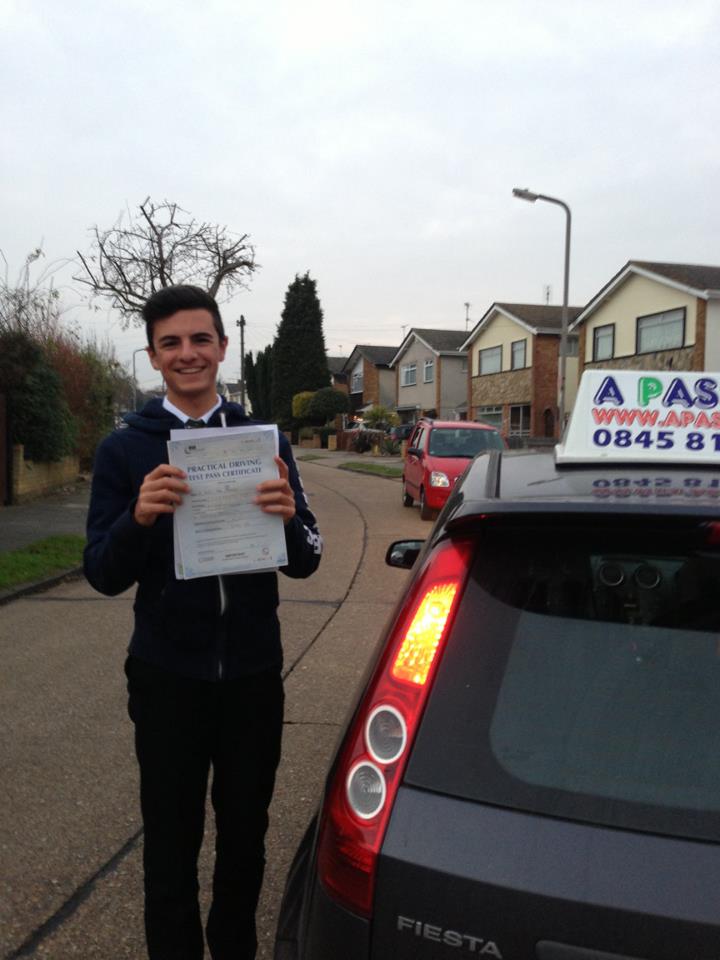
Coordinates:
[241,323]
[139,350]
[531,198]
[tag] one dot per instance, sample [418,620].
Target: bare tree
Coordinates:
[31,308]
[160,246]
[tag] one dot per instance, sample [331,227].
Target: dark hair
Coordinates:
[183,296]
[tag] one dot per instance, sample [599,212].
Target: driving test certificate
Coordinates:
[217,528]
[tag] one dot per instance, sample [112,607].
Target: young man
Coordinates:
[204,683]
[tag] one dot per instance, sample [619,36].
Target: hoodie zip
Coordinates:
[223,601]
[222,637]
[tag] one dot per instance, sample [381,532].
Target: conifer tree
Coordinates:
[263,382]
[299,361]
[250,381]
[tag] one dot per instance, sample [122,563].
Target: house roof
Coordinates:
[336,364]
[439,341]
[535,317]
[379,356]
[690,275]
[695,279]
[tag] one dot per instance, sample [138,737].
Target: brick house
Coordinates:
[513,369]
[653,316]
[371,382]
[431,375]
[338,377]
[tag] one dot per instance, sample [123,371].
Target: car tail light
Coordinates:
[712,537]
[374,753]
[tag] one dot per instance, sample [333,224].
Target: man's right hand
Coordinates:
[161,492]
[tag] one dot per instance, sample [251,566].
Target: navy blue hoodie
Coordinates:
[178,623]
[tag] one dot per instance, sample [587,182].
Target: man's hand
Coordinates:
[276,496]
[161,492]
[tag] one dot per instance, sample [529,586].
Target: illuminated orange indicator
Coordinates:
[419,647]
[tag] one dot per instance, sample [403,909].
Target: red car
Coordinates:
[438,453]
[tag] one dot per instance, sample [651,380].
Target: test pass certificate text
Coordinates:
[218,529]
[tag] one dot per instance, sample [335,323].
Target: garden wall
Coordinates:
[31,480]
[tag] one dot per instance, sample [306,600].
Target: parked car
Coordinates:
[531,769]
[438,453]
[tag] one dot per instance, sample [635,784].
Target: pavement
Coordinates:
[65,511]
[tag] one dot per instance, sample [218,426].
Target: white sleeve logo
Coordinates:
[315,540]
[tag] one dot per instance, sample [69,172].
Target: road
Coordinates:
[71,838]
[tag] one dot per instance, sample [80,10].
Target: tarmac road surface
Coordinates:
[70,835]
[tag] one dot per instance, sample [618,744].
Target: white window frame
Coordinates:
[486,354]
[490,414]
[524,428]
[408,375]
[513,351]
[356,383]
[428,368]
[656,322]
[608,331]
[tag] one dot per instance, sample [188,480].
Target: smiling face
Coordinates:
[187,351]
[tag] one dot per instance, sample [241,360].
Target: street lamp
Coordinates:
[139,350]
[531,198]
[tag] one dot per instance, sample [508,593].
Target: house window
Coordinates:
[661,331]
[408,375]
[490,360]
[491,415]
[428,371]
[520,420]
[572,348]
[356,384]
[519,350]
[604,342]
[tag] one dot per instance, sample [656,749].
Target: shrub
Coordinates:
[326,404]
[38,412]
[365,440]
[300,403]
[380,418]
[390,447]
[360,443]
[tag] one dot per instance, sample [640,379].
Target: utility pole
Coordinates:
[467,316]
[241,323]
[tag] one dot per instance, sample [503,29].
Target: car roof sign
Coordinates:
[648,416]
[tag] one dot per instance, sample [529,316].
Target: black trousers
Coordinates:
[183,728]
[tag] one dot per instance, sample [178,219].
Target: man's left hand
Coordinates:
[276,496]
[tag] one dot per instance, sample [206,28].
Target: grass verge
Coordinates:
[311,456]
[41,559]
[379,469]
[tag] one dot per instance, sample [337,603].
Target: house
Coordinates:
[653,316]
[232,390]
[371,381]
[338,378]
[513,368]
[431,375]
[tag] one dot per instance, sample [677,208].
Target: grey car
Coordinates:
[531,769]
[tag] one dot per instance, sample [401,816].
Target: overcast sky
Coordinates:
[374,144]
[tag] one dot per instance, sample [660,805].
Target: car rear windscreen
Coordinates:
[582,675]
